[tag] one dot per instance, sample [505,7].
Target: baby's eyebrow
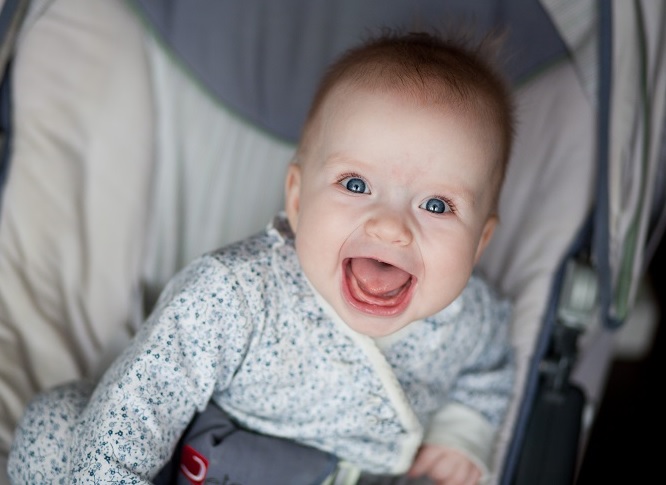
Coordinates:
[458,193]
[342,158]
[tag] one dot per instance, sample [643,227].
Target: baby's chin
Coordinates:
[376,327]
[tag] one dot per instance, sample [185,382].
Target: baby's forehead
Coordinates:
[348,100]
[351,108]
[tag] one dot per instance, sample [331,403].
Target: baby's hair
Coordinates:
[428,69]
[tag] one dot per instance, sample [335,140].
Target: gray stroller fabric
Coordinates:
[263,58]
[216,450]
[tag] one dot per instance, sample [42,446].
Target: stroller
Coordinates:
[125,124]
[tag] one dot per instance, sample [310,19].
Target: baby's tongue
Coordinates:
[378,278]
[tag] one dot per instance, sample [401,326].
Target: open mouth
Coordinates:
[376,287]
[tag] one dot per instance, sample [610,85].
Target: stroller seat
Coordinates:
[132,123]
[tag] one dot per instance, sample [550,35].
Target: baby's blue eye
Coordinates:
[438,206]
[355,184]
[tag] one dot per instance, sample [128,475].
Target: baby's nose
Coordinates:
[390,227]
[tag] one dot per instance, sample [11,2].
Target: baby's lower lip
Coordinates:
[388,305]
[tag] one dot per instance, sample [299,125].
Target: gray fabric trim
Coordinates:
[263,58]
[601,229]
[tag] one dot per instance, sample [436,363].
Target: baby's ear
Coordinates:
[486,236]
[292,190]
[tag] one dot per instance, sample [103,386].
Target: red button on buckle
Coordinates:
[193,465]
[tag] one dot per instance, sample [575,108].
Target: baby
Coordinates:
[355,323]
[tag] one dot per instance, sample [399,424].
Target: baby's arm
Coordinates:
[148,396]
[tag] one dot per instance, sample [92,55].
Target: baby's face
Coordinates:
[392,208]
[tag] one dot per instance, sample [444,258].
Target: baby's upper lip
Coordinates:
[377,279]
[382,257]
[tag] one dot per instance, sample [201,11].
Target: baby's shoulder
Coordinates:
[481,296]
[254,249]
[220,268]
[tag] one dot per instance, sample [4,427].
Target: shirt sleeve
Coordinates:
[485,382]
[189,347]
[480,396]
[460,427]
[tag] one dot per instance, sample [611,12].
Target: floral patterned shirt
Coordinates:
[243,327]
